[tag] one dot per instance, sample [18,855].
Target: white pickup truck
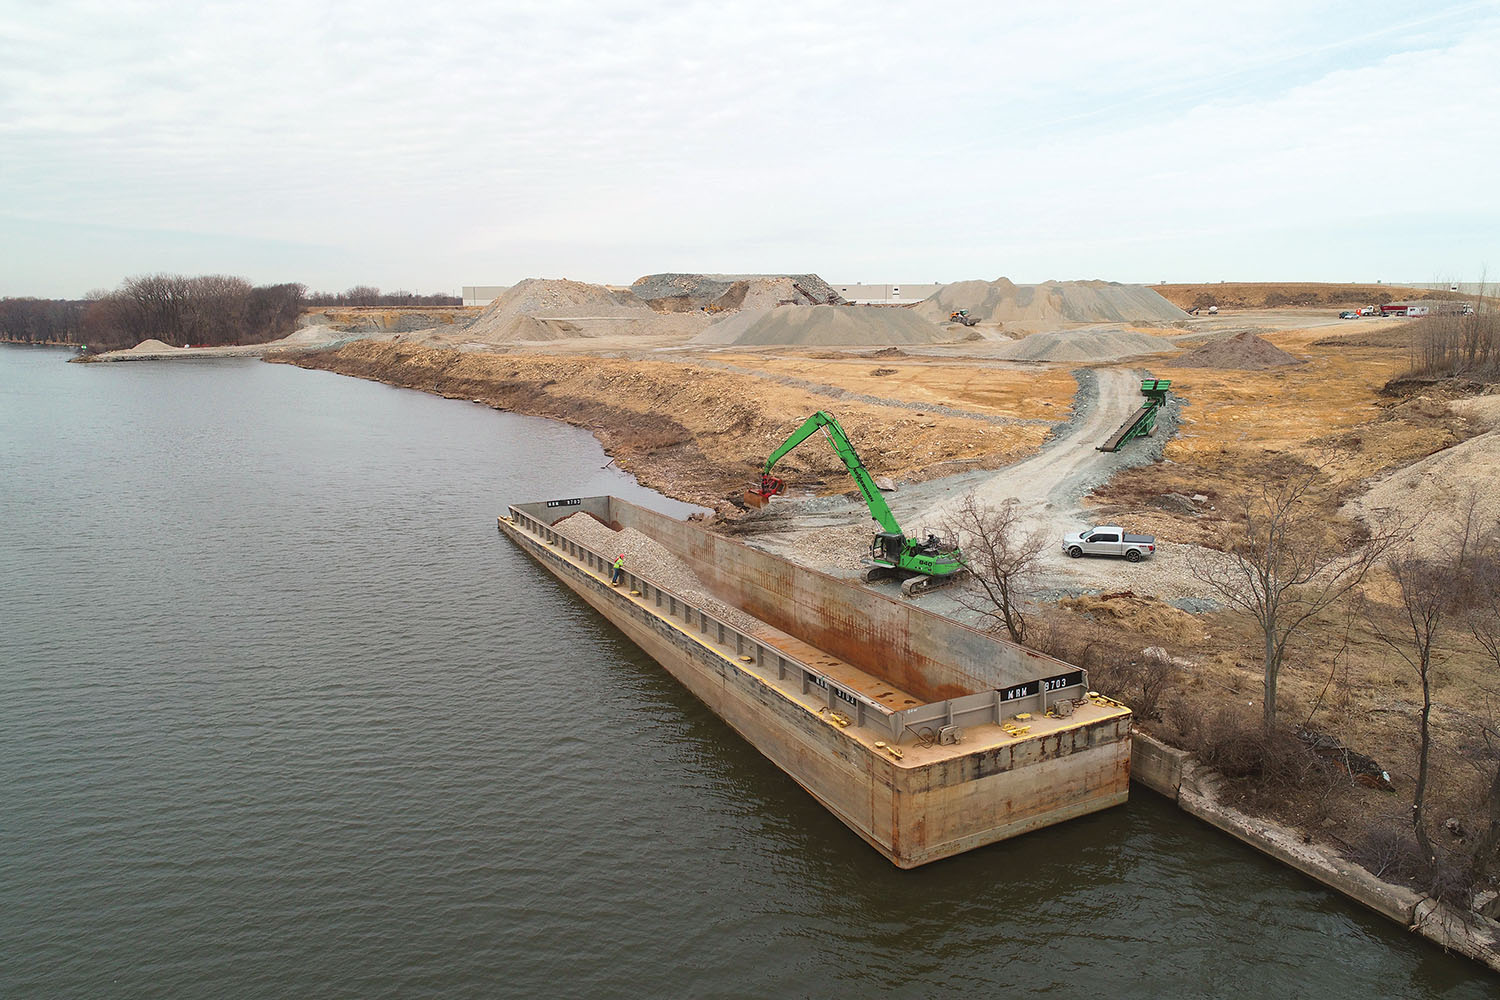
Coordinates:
[1108,540]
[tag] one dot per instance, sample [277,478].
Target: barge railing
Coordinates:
[980,708]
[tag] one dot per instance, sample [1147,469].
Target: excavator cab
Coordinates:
[887,547]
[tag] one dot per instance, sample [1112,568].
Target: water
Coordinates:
[282,715]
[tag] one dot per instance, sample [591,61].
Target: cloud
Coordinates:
[453,143]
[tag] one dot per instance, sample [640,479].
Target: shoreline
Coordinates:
[1166,770]
[1176,775]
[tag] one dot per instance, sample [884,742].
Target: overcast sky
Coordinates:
[431,145]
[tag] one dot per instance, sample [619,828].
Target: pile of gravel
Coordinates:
[1244,351]
[686,292]
[1050,302]
[1084,345]
[648,558]
[542,309]
[823,326]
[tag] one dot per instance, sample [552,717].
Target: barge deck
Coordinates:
[923,754]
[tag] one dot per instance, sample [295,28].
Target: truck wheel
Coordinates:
[1075,552]
[1134,555]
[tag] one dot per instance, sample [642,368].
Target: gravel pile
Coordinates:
[558,309]
[1244,351]
[1002,300]
[824,326]
[681,292]
[1432,494]
[648,558]
[1084,345]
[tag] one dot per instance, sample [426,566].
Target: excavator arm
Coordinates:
[840,441]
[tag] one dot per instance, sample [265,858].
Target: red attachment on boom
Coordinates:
[769,487]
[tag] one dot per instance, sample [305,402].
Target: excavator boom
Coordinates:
[879,510]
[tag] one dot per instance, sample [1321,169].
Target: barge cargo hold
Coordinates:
[926,737]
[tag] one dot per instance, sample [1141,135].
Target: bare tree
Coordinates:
[1416,632]
[1002,557]
[1483,620]
[1283,565]
[1433,594]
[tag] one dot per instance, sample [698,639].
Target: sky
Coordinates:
[427,146]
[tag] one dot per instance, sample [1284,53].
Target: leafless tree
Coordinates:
[1283,565]
[1483,621]
[1433,593]
[1002,556]
[1415,630]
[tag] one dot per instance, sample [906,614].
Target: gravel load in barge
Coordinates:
[926,737]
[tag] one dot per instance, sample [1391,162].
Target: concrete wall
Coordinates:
[933,657]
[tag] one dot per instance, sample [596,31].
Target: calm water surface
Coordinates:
[282,715]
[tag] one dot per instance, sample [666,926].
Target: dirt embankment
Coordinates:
[1283,294]
[695,433]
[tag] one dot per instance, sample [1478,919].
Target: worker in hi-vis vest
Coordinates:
[618,573]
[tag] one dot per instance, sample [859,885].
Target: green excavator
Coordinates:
[920,565]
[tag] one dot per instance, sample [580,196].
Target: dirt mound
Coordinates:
[540,309]
[152,347]
[1243,351]
[1084,345]
[1432,493]
[1051,302]
[824,326]
[763,293]
[1282,294]
[1483,410]
[686,292]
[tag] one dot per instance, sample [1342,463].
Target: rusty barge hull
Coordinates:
[856,696]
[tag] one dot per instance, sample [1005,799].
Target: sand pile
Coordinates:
[687,292]
[1483,410]
[153,347]
[823,326]
[1432,493]
[1084,345]
[1243,351]
[764,293]
[559,309]
[1051,302]
[648,558]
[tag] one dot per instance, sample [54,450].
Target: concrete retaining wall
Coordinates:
[1175,774]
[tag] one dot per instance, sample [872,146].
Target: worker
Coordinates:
[618,570]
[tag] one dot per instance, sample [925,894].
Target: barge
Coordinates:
[924,736]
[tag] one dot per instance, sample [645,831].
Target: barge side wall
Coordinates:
[912,815]
[933,657]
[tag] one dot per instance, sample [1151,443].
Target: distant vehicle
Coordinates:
[1349,314]
[1108,540]
[962,316]
[1213,310]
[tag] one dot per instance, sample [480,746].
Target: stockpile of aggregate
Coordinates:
[1432,495]
[1051,302]
[559,309]
[152,347]
[823,326]
[1244,351]
[686,292]
[648,558]
[1084,345]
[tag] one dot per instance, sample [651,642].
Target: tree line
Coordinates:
[42,321]
[368,295]
[208,310]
